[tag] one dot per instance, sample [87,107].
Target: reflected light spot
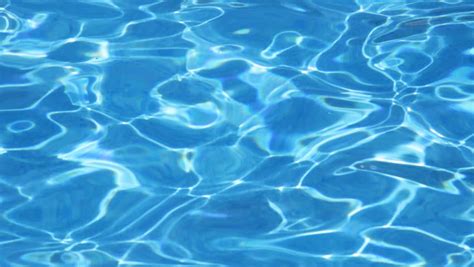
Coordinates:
[242,31]
[170,111]
[327,257]
[470,52]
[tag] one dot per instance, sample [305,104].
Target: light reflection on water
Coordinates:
[226,133]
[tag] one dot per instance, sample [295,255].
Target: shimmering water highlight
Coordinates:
[236,133]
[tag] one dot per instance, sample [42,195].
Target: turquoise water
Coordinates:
[223,133]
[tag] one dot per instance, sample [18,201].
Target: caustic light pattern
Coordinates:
[237,133]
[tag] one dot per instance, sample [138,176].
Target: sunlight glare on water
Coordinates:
[237,133]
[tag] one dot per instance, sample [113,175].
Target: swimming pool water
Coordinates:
[236,133]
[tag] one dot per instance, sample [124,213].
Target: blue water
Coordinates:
[244,133]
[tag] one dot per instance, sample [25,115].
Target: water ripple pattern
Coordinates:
[237,133]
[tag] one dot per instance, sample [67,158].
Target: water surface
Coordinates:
[236,133]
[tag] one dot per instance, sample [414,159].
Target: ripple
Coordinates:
[236,133]
[20,126]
